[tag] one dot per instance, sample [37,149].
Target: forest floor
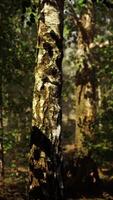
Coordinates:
[16,188]
[15,184]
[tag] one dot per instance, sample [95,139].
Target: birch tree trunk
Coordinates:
[86,92]
[46,121]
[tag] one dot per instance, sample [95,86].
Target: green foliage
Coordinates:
[17,61]
[100,142]
[80,4]
[30,12]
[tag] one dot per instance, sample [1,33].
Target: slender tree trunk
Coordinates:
[1,135]
[86,93]
[45,159]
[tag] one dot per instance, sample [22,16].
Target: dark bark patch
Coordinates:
[42,17]
[53,72]
[58,62]
[31,166]
[51,2]
[38,173]
[56,38]
[48,48]
[36,154]
[40,140]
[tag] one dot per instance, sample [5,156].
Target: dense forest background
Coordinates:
[88,58]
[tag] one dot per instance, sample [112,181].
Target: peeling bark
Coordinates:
[47,103]
[48,74]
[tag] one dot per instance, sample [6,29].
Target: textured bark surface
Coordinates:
[47,103]
[86,94]
[48,73]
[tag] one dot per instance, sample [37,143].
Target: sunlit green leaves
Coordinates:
[80,3]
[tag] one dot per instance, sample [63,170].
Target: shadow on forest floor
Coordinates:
[104,191]
[16,188]
[17,191]
[15,185]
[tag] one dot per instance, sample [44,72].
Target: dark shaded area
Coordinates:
[48,48]
[17,61]
[41,141]
[82,180]
[46,171]
[58,40]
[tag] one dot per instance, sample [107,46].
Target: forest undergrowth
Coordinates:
[15,184]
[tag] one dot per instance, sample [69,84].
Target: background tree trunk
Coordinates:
[1,135]
[47,103]
[86,93]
